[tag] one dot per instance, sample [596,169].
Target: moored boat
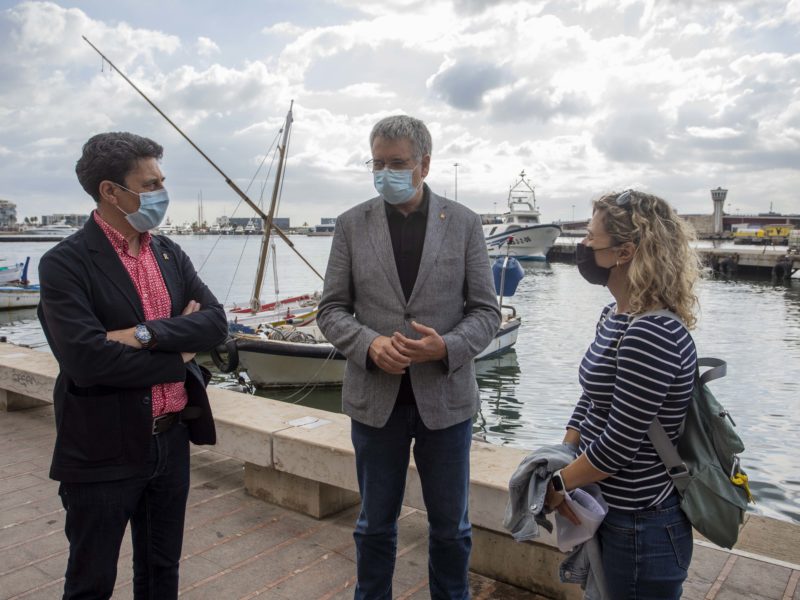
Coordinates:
[60,229]
[18,296]
[10,272]
[520,227]
[292,356]
[19,293]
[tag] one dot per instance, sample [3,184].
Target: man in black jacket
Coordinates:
[124,313]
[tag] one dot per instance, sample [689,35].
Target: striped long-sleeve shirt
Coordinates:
[627,382]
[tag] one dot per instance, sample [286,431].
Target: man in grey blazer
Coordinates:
[409,300]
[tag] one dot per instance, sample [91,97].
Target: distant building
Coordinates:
[8,215]
[245,221]
[282,222]
[327,221]
[719,222]
[75,220]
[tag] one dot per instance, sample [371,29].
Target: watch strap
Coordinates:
[558,483]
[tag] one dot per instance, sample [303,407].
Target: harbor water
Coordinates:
[528,394]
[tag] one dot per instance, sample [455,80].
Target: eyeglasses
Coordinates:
[394,165]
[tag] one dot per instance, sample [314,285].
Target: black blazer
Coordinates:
[102,393]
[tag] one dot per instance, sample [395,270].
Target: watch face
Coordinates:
[142,334]
[558,483]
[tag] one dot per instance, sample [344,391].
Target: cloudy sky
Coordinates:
[675,97]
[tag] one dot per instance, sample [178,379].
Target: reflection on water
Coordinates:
[527,395]
[501,413]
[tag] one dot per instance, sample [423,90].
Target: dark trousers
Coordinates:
[155,505]
[442,459]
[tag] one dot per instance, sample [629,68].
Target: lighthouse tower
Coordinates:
[718,196]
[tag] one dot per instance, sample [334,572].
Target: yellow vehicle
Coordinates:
[777,230]
[748,233]
[767,231]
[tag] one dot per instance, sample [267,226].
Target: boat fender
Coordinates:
[513,275]
[219,352]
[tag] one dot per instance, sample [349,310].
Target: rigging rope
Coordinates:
[271,150]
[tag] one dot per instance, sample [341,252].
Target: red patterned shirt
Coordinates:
[149,284]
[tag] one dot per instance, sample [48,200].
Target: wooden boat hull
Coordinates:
[503,340]
[279,363]
[18,297]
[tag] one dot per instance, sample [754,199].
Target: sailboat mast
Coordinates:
[255,301]
[228,180]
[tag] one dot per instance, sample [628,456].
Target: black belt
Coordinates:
[163,423]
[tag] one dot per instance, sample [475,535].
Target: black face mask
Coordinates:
[588,267]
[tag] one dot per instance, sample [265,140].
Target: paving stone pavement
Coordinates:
[236,546]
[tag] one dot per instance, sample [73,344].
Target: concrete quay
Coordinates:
[299,544]
[752,259]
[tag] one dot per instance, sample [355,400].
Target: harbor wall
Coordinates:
[755,259]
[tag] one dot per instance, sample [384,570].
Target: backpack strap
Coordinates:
[676,468]
[719,368]
[667,452]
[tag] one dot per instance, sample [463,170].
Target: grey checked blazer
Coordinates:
[454,293]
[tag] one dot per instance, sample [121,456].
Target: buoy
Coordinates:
[513,275]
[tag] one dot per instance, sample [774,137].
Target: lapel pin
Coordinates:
[441,216]
[165,255]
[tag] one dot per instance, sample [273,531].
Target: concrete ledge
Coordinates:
[531,566]
[297,493]
[302,458]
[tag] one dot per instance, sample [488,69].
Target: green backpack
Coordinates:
[705,465]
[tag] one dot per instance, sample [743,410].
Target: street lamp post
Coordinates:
[573,213]
[456,186]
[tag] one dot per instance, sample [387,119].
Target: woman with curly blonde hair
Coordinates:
[640,367]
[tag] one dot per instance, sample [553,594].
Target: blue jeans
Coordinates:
[646,554]
[442,459]
[155,505]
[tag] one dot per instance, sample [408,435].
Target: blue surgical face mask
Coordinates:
[152,208]
[395,187]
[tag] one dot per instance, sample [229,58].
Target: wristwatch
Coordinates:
[558,483]
[143,335]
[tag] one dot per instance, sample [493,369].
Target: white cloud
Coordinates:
[586,96]
[206,46]
[283,28]
[716,133]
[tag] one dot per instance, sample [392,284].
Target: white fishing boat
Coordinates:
[506,335]
[19,293]
[59,229]
[520,227]
[18,296]
[294,356]
[10,272]
[286,355]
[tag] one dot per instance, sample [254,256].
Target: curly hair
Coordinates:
[111,156]
[664,267]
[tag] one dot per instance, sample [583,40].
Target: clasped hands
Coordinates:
[125,336]
[394,354]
